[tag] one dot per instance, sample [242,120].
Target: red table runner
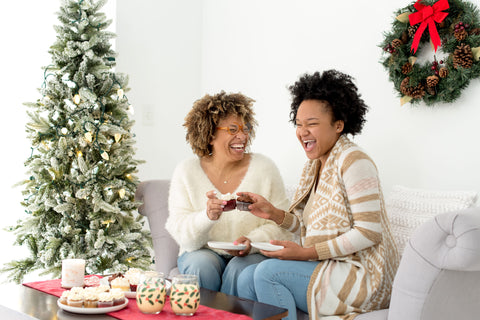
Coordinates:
[131,311]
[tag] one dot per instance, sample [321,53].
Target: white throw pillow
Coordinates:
[408,208]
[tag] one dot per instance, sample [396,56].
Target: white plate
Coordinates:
[226,245]
[266,246]
[91,310]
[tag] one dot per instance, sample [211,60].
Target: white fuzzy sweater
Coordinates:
[188,222]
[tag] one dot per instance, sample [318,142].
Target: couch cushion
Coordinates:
[408,208]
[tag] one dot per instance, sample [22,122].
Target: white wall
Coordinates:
[159,46]
[260,48]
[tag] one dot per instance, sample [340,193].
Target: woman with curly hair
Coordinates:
[347,259]
[220,129]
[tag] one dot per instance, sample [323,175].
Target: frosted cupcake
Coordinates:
[90,299]
[64,297]
[133,277]
[120,283]
[105,299]
[118,296]
[75,299]
[102,288]
[231,201]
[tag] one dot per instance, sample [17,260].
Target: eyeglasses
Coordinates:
[233,129]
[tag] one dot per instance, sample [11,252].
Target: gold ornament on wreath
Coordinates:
[451,25]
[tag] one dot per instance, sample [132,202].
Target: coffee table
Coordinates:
[43,306]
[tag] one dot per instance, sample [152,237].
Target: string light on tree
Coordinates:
[130,109]
[76,99]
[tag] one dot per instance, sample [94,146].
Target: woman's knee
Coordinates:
[245,284]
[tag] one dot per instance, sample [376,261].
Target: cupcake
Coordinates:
[105,299]
[64,297]
[231,202]
[120,283]
[118,296]
[90,299]
[101,288]
[243,206]
[75,299]
[133,277]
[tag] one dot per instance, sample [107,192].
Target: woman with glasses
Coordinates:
[220,129]
[347,259]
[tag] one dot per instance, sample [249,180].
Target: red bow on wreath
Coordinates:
[427,16]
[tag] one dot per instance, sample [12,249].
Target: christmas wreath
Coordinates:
[451,25]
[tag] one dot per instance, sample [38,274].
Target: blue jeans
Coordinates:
[216,272]
[282,283]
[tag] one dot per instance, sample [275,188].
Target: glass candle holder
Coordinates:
[151,292]
[73,273]
[185,294]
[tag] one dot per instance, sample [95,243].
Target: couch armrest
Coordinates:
[154,195]
[439,271]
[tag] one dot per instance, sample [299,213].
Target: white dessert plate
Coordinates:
[91,310]
[266,246]
[226,245]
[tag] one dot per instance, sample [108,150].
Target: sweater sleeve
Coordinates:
[364,199]
[274,191]
[187,222]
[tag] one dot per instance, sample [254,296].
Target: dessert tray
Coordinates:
[226,245]
[266,246]
[91,310]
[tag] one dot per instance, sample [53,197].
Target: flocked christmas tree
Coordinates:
[79,197]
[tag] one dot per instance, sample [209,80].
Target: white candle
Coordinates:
[73,273]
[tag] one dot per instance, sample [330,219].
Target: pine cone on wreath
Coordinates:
[475,31]
[396,43]
[416,92]
[407,68]
[431,91]
[463,56]
[460,34]
[432,81]
[443,72]
[404,37]
[412,30]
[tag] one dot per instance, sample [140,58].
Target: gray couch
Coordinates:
[438,276]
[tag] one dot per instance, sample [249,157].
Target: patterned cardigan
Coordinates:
[349,229]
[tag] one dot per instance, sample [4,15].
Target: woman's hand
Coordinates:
[261,207]
[244,252]
[214,205]
[291,251]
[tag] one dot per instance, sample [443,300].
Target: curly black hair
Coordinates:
[340,93]
[202,120]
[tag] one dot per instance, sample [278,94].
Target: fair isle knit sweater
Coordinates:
[349,228]
[188,222]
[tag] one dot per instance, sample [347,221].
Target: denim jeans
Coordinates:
[282,283]
[216,272]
